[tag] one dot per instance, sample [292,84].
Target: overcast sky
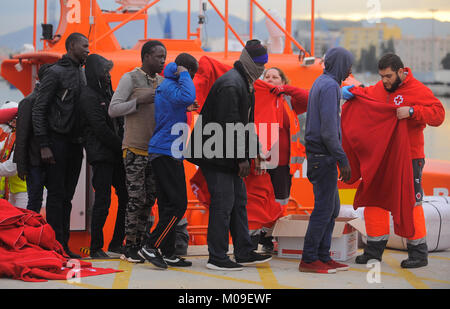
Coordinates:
[18,14]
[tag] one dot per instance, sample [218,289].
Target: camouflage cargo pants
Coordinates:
[142,195]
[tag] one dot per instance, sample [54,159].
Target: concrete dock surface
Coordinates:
[279,273]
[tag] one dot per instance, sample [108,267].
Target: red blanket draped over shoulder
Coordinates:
[262,210]
[30,252]
[378,148]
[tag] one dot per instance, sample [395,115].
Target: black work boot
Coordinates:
[417,256]
[373,250]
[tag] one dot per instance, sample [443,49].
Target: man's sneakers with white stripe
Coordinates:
[153,256]
[177,261]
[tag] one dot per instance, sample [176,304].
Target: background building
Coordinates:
[356,39]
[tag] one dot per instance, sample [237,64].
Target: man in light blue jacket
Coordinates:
[173,98]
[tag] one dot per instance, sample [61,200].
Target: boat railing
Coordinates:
[123,17]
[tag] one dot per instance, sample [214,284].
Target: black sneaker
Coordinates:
[253,258]
[177,261]
[267,243]
[226,265]
[153,256]
[131,255]
[116,252]
[99,254]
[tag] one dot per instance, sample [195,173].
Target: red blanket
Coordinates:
[30,252]
[378,148]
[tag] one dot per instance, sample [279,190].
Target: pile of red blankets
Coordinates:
[30,252]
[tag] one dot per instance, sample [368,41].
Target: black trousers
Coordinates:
[35,187]
[62,179]
[172,202]
[227,214]
[105,175]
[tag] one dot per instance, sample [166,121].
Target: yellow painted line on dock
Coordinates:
[122,279]
[194,272]
[267,276]
[267,279]
[438,257]
[412,279]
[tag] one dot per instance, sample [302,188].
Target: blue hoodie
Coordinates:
[172,98]
[323,121]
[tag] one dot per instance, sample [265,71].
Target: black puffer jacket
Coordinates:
[27,150]
[229,101]
[101,133]
[55,108]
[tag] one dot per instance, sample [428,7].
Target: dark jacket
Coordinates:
[323,122]
[229,101]
[100,133]
[27,149]
[55,109]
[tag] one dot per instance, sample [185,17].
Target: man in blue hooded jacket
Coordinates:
[173,98]
[324,151]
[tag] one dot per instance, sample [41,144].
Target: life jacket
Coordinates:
[297,150]
[12,184]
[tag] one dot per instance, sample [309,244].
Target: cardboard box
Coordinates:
[291,230]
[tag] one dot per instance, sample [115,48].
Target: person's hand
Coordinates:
[345,173]
[146,97]
[403,112]
[244,169]
[180,69]
[193,107]
[47,156]
[346,94]
[21,174]
[278,90]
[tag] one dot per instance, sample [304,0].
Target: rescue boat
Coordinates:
[301,66]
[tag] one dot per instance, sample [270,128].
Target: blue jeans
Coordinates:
[322,173]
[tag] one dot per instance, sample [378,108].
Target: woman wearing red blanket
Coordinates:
[420,107]
[291,101]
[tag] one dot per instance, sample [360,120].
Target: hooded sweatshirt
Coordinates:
[101,139]
[323,129]
[172,97]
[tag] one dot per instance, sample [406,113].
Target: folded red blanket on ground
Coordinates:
[377,146]
[30,252]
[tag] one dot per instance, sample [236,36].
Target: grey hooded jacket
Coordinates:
[323,128]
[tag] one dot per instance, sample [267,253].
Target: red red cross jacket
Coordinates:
[428,110]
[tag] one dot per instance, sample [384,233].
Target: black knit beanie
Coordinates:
[256,51]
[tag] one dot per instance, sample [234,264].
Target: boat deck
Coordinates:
[279,273]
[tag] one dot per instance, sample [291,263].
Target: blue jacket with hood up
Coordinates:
[172,98]
[323,121]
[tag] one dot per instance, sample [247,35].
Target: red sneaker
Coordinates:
[336,265]
[316,267]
